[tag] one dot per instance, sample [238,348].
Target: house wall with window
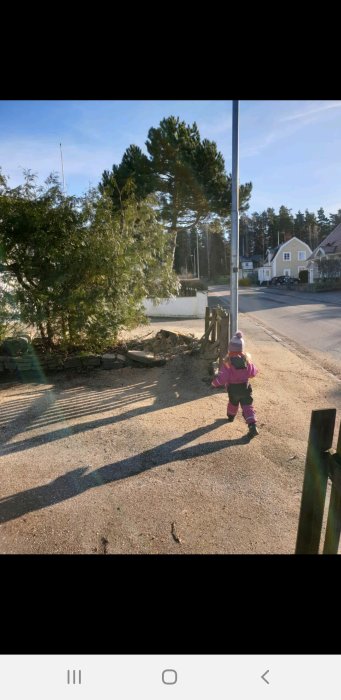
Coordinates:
[288,259]
[329,249]
[291,258]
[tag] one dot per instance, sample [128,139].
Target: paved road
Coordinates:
[311,321]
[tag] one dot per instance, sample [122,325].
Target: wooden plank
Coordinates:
[315,481]
[338,446]
[224,337]
[207,320]
[333,530]
[218,328]
[207,333]
[214,328]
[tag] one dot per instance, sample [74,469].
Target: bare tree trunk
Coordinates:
[70,327]
[50,334]
[173,236]
[42,331]
[63,324]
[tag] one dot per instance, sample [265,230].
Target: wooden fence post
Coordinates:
[315,481]
[217,329]
[214,321]
[333,530]
[207,321]
[224,337]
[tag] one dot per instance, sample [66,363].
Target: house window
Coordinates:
[287,272]
[301,255]
[267,273]
[286,256]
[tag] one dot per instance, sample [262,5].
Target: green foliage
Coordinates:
[192,183]
[324,285]
[134,176]
[187,174]
[245,282]
[329,268]
[259,232]
[81,269]
[189,288]
[221,279]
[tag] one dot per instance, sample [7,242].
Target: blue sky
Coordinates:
[289,150]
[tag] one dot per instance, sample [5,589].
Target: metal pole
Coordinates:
[234,221]
[208,254]
[197,254]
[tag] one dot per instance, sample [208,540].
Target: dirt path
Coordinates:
[143,461]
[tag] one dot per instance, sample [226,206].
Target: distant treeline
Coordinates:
[266,230]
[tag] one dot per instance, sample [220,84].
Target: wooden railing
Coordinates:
[321,465]
[217,329]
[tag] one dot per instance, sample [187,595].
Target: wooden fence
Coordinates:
[321,465]
[217,329]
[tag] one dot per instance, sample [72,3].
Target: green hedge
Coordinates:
[189,288]
[245,282]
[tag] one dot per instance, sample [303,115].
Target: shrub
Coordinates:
[189,288]
[303,276]
[245,282]
[221,279]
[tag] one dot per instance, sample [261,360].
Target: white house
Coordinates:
[328,249]
[289,258]
[245,267]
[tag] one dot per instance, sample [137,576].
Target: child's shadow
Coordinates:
[233,441]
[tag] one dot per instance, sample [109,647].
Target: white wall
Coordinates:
[264,273]
[194,307]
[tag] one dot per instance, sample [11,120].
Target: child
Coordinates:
[237,369]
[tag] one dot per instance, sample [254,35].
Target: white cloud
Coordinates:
[253,149]
[281,127]
[311,112]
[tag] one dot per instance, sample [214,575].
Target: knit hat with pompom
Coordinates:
[236,343]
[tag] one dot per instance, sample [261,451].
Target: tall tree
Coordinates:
[335,219]
[192,183]
[299,225]
[311,229]
[187,174]
[285,223]
[216,248]
[271,224]
[323,224]
[133,174]
[81,269]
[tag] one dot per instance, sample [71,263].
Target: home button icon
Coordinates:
[169,676]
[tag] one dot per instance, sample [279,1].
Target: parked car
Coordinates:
[284,280]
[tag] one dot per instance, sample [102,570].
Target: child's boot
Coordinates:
[253,431]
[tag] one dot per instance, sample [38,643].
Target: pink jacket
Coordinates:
[231,375]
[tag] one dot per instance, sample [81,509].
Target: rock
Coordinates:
[146,358]
[113,361]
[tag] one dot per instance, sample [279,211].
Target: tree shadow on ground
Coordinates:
[77,481]
[156,390]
